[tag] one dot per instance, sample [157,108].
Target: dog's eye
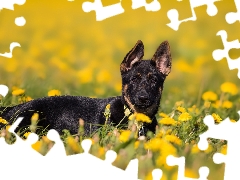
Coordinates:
[136,78]
[153,80]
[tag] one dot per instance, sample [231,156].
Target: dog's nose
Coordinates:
[143,98]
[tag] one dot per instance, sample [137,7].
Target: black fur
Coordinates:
[142,85]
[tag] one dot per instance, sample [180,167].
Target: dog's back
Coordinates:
[63,112]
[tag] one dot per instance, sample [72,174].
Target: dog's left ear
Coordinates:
[132,56]
[162,58]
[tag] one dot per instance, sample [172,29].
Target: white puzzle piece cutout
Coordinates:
[180,162]
[3,90]
[103,12]
[229,131]
[19,21]
[173,14]
[224,53]
[9,4]
[153,6]
[232,17]
[12,46]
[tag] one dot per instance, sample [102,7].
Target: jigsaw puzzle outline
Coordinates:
[173,14]
[232,158]
[19,21]
[219,54]
[232,17]
[218,158]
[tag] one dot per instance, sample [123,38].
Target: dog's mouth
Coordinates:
[142,106]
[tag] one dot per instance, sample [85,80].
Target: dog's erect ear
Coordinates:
[162,58]
[132,56]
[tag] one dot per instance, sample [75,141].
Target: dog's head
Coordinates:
[142,80]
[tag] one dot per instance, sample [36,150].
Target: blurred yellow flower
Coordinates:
[207,104]
[216,118]
[26,98]
[18,92]
[224,149]
[181,109]
[140,117]
[71,142]
[229,87]
[167,121]
[227,104]
[179,103]
[54,92]
[154,144]
[26,134]
[124,136]
[173,139]
[103,76]
[195,149]
[184,117]
[35,117]
[216,104]
[136,144]
[194,109]
[163,115]
[108,106]
[209,96]
[85,75]
[37,146]
[3,121]
[7,127]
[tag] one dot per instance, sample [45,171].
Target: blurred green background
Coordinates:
[64,48]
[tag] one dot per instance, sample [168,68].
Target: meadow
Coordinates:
[66,51]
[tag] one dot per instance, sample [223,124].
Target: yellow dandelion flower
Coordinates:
[229,87]
[28,98]
[26,134]
[163,115]
[224,149]
[227,104]
[179,103]
[37,146]
[167,121]
[124,136]
[7,127]
[216,104]
[160,133]
[209,96]
[108,106]
[46,140]
[3,121]
[216,118]
[185,117]
[232,120]
[18,92]
[136,144]
[71,142]
[181,109]
[155,144]
[54,92]
[194,109]
[207,104]
[140,117]
[173,139]
[195,149]
[35,117]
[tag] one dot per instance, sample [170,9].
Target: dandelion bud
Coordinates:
[81,122]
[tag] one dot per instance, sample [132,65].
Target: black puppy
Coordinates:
[142,85]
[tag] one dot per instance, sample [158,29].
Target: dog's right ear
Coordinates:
[132,56]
